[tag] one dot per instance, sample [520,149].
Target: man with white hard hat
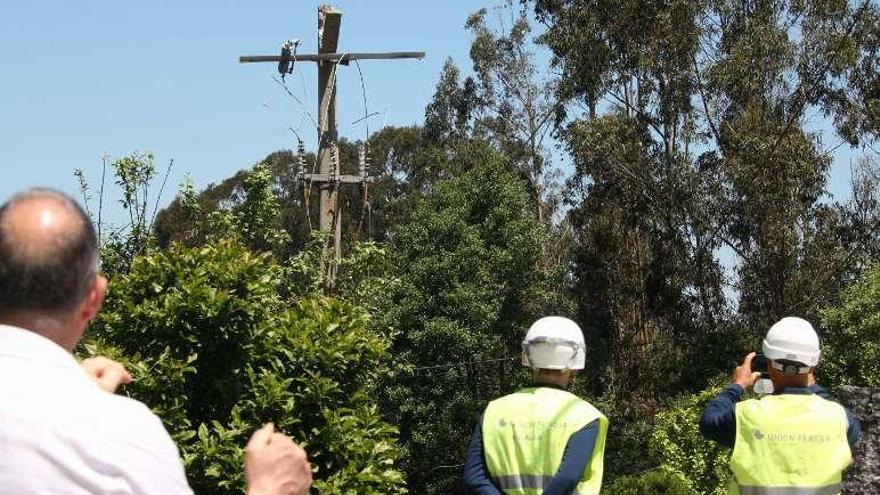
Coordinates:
[795,441]
[541,439]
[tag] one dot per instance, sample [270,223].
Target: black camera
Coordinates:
[760,363]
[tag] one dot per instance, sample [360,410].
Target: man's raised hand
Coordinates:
[743,374]
[275,465]
[107,373]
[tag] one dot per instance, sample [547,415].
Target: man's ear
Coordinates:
[94,299]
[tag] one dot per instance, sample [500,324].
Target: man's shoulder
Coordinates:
[99,439]
[776,402]
[126,420]
[77,407]
[544,395]
[131,410]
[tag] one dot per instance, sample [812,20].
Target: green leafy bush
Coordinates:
[252,215]
[626,447]
[657,482]
[216,352]
[679,448]
[851,337]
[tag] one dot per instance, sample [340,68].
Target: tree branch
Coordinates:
[712,125]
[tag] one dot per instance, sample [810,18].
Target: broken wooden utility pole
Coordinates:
[329,20]
[329,177]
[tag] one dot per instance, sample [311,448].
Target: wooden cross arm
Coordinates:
[343,58]
[344,179]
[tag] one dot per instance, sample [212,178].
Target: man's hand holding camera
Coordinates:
[744,376]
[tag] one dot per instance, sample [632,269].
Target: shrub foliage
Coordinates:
[679,448]
[216,352]
[851,338]
[656,482]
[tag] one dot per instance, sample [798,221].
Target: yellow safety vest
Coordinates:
[789,444]
[525,435]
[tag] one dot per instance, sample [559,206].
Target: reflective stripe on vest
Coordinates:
[789,490]
[789,444]
[529,482]
[525,435]
[520,481]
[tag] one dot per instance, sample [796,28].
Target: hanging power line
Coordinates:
[302,105]
[364,94]
[330,179]
[285,124]
[461,363]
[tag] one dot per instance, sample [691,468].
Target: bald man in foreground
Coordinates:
[62,430]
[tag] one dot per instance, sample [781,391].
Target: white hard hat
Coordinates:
[792,339]
[554,343]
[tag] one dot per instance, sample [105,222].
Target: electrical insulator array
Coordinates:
[334,159]
[366,164]
[362,160]
[301,159]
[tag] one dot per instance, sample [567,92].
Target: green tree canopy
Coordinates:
[468,267]
[689,127]
[851,336]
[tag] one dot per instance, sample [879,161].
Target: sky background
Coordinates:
[87,79]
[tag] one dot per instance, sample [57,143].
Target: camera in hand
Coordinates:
[760,363]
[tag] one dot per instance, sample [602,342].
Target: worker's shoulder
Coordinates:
[780,402]
[543,395]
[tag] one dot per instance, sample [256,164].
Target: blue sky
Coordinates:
[91,78]
[86,79]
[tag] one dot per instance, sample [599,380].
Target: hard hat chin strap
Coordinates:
[790,368]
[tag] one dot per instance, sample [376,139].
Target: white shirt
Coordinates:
[62,434]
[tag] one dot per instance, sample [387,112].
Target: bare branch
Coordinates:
[647,118]
[159,196]
[711,122]
[101,197]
